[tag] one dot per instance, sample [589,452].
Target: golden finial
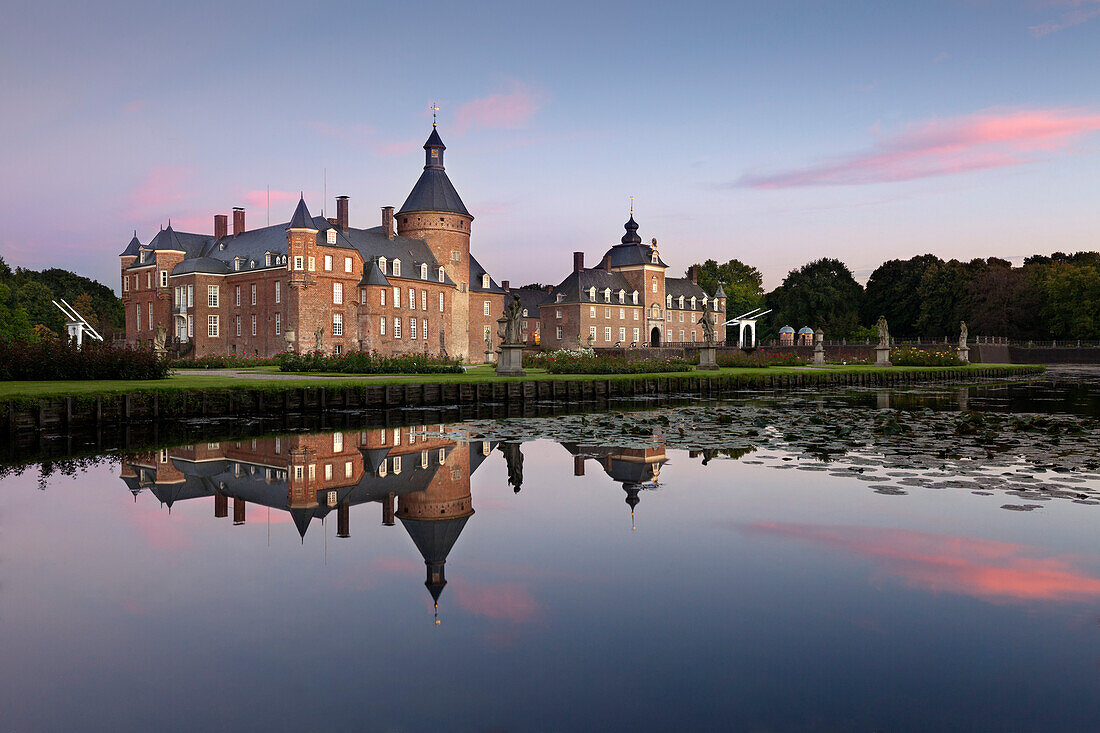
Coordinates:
[631,207]
[633,527]
[434,108]
[437,621]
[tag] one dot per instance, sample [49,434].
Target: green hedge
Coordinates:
[584,364]
[368,362]
[52,359]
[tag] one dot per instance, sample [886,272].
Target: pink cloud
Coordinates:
[993,571]
[403,147]
[509,110]
[989,139]
[1079,11]
[135,106]
[504,602]
[160,529]
[258,198]
[162,187]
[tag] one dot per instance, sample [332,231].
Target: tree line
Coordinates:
[27,311]
[1055,297]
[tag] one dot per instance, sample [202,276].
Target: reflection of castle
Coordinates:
[309,476]
[634,468]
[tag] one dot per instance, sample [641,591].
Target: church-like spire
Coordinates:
[433,150]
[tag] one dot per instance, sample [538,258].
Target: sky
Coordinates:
[773,132]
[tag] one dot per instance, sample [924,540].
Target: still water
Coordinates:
[782,575]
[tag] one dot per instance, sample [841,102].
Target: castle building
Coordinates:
[627,299]
[409,285]
[314,283]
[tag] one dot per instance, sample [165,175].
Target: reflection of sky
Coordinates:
[748,597]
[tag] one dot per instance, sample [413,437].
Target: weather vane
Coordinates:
[434,108]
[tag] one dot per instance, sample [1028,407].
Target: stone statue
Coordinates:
[442,343]
[159,339]
[318,336]
[883,333]
[963,333]
[513,322]
[513,457]
[708,329]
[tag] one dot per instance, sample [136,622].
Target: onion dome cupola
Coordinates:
[434,190]
[631,236]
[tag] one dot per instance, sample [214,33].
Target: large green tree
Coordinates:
[1071,300]
[822,294]
[742,283]
[893,291]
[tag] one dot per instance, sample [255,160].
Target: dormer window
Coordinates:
[560,298]
[485,282]
[635,297]
[705,302]
[331,236]
[237,263]
[382,264]
[267,259]
[622,296]
[397,268]
[592,294]
[668,301]
[424,271]
[442,274]
[653,258]
[693,303]
[607,295]
[681,302]
[524,312]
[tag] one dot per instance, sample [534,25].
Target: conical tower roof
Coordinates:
[302,219]
[434,190]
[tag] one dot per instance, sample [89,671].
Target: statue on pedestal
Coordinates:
[159,339]
[963,333]
[708,329]
[883,332]
[510,330]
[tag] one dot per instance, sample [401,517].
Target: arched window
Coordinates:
[485,281]
[442,275]
[655,283]
[424,271]
[635,296]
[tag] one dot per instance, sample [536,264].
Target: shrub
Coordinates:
[543,359]
[368,362]
[759,359]
[218,361]
[917,357]
[580,363]
[54,359]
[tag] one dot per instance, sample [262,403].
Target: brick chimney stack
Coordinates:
[387,221]
[343,524]
[504,284]
[342,213]
[238,220]
[221,226]
[238,510]
[693,273]
[578,261]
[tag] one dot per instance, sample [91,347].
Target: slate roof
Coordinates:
[720,292]
[476,273]
[576,285]
[677,286]
[374,276]
[131,248]
[202,264]
[301,219]
[433,190]
[631,251]
[532,298]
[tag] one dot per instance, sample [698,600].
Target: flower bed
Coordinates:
[918,357]
[580,363]
[52,360]
[217,361]
[368,362]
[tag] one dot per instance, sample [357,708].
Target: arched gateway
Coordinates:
[655,336]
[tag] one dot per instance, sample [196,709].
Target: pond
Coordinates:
[868,560]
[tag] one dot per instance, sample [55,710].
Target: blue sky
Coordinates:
[772,132]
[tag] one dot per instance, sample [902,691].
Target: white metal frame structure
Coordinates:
[747,321]
[76,324]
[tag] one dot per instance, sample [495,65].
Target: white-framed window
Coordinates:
[267,259]
[397,328]
[164,278]
[693,332]
[328,477]
[606,312]
[348,267]
[634,296]
[681,316]
[338,293]
[237,263]
[668,301]
[485,308]
[237,330]
[558,332]
[607,295]
[412,328]
[311,264]
[347,469]
[592,293]
[607,333]
[253,293]
[299,472]
[331,236]
[253,324]
[681,302]
[311,471]
[382,326]
[423,300]
[138,319]
[592,311]
[622,314]
[681,336]
[297,262]
[622,296]
[278,292]
[190,296]
[485,334]
[693,302]
[328,258]
[412,299]
[592,332]
[655,283]
[363,296]
[441,302]
[397,268]
[424,328]
[212,296]
[237,295]
[382,296]
[278,323]
[126,284]
[396,297]
[622,334]
[149,280]
[337,324]
[635,335]
[190,326]
[397,464]
[441,275]
[485,281]
[557,313]
[423,271]
[150,316]
[212,326]
[382,264]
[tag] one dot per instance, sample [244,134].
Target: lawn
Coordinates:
[199,379]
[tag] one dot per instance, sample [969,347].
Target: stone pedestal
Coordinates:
[882,356]
[708,357]
[819,355]
[964,354]
[510,361]
[489,356]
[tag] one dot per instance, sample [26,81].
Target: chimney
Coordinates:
[387,510]
[342,212]
[342,521]
[387,221]
[238,510]
[578,261]
[607,263]
[578,465]
[221,501]
[238,220]
[504,284]
[693,273]
[221,226]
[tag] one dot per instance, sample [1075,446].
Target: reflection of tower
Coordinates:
[434,517]
[634,468]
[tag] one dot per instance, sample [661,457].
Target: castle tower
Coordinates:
[301,243]
[434,212]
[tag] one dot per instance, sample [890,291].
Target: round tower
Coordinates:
[434,212]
